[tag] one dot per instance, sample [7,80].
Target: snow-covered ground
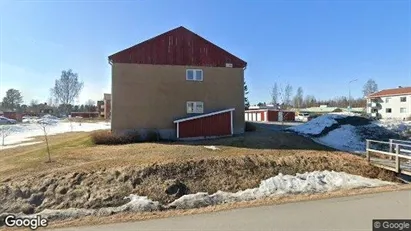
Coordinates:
[348,137]
[399,126]
[344,138]
[23,132]
[307,183]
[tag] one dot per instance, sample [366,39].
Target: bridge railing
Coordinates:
[405,146]
[398,150]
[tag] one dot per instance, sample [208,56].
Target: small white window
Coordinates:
[403,99]
[195,107]
[403,110]
[190,75]
[387,100]
[388,110]
[194,74]
[190,107]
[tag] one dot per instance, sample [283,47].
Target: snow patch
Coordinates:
[312,182]
[212,147]
[307,183]
[24,132]
[19,145]
[344,138]
[398,126]
[317,125]
[348,132]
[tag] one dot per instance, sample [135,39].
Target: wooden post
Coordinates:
[391,149]
[397,158]
[367,151]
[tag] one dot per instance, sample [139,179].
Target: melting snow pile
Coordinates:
[313,182]
[344,138]
[136,204]
[399,126]
[307,183]
[346,132]
[317,125]
[48,119]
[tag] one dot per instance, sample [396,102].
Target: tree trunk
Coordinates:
[47,143]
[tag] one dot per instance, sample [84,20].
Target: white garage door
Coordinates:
[259,116]
[246,116]
[254,116]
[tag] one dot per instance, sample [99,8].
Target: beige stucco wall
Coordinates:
[153,96]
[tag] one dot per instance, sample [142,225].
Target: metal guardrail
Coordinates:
[397,151]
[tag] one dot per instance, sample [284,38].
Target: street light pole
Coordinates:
[349,94]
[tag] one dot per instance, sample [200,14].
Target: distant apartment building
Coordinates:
[392,103]
[104,106]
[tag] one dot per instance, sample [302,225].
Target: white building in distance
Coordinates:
[392,103]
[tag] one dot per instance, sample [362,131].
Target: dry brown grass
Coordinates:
[108,138]
[75,151]
[240,163]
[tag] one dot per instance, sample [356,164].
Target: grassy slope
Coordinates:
[75,151]
[240,163]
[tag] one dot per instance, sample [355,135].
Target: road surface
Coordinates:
[347,213]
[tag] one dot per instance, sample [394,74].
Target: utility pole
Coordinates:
[349,94]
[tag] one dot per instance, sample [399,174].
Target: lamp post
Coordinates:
[349,93]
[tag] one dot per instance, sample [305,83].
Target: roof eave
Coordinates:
[379,96]
[203,115]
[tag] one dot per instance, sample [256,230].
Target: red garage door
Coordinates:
[272,115]
[207,125]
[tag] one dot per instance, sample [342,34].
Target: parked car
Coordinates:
[302,117]
[5,120]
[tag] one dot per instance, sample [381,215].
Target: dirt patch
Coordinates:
[108,187]
[346,120]
[375,132]
[353,120]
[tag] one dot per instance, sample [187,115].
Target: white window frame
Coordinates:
[403,97]
[403,110]
[386,110]
[387,100]
[195,105]
[195,75]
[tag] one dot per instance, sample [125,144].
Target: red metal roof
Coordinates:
[392,92]
[179,46]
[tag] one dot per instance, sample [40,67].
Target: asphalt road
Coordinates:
[347,213]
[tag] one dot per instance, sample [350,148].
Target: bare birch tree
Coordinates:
[67,88]
[288,91]
[274,94]
[5,130]
[44,125]
[298,98]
